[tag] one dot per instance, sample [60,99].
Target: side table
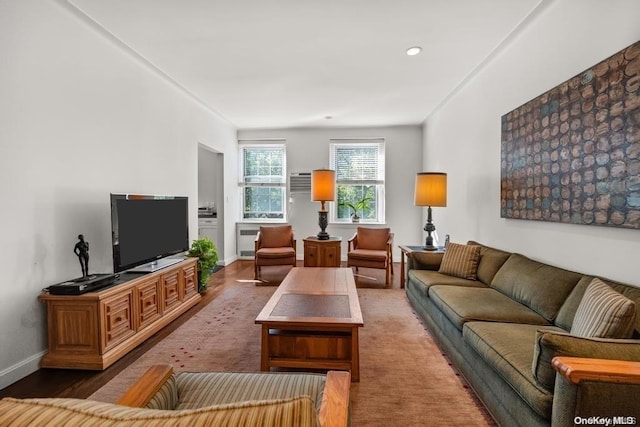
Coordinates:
[409,251]
[322,253]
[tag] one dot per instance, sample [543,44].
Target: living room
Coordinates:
[84,116]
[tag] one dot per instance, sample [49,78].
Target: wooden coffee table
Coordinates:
[312,321]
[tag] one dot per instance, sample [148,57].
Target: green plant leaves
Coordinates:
[207,255]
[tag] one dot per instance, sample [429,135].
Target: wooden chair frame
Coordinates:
[387,265]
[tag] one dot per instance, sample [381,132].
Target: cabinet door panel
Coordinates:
[331,257]
[190,282]
[117,319]
[148,303]
[171,291]
[310,255]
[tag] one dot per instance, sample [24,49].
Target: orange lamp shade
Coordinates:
[323,185]
[431,189]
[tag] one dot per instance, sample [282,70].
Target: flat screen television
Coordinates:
[145,229]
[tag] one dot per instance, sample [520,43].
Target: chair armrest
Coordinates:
[576,369]
[143,390]
[256,242]
[334,407]
[352,243]
[587,388]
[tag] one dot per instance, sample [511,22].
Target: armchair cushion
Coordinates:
[372,238]
[549,344]
[461,261]
[79,412]
[276,237]
[282,252]
[604,313]
[369,255]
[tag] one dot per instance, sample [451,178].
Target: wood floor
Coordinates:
[81,384]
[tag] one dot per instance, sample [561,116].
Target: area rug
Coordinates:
[405,380]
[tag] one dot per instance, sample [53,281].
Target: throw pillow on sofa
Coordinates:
[550,344]
[461,261]
[604,313]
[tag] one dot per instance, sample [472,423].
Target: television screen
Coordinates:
[146,228]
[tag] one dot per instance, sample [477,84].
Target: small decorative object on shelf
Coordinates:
[205,251]
[81,249]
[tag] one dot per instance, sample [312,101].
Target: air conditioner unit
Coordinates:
[299,182]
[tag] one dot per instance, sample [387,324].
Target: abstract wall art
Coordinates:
[572,155]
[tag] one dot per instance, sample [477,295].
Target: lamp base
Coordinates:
[429,228]
[322,222]
[323,235]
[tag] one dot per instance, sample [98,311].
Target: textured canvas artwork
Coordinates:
[572,154]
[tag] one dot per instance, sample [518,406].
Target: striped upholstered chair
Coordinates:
[162,398]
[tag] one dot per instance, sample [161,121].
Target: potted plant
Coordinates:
[205,251]
[361,205]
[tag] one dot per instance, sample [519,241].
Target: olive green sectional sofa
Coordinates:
[503,321]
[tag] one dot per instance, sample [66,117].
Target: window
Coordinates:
[359,166]
[263,181]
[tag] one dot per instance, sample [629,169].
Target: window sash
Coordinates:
[359,163]
[263,173]
[262,180]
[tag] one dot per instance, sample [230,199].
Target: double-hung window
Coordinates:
[359,166]
[263,180]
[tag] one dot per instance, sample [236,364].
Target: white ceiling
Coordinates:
[291,63]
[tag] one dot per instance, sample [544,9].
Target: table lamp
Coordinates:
[430,190]
[323,189]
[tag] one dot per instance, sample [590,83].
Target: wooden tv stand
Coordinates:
[93,330]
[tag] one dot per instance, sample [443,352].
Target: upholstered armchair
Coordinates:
[371,248]
[274,245]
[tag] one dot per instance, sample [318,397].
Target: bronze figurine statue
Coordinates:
[82,251]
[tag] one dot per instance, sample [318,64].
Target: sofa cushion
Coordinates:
[465,304]
[506,347]
[491,260]
[198,389]
[428,278]
[549,344]
[80,413]
[539,286]
[461,261]
[276,236]
[604,313]
[568,310]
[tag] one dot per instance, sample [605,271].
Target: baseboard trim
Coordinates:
[20,370]
[228,261]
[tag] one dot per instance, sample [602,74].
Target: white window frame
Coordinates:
[277,181]
[379,180]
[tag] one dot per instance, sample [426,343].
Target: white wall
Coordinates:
[81,117]
[308,149]
[463,137]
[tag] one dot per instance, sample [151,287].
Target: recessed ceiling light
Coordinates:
[413,51]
